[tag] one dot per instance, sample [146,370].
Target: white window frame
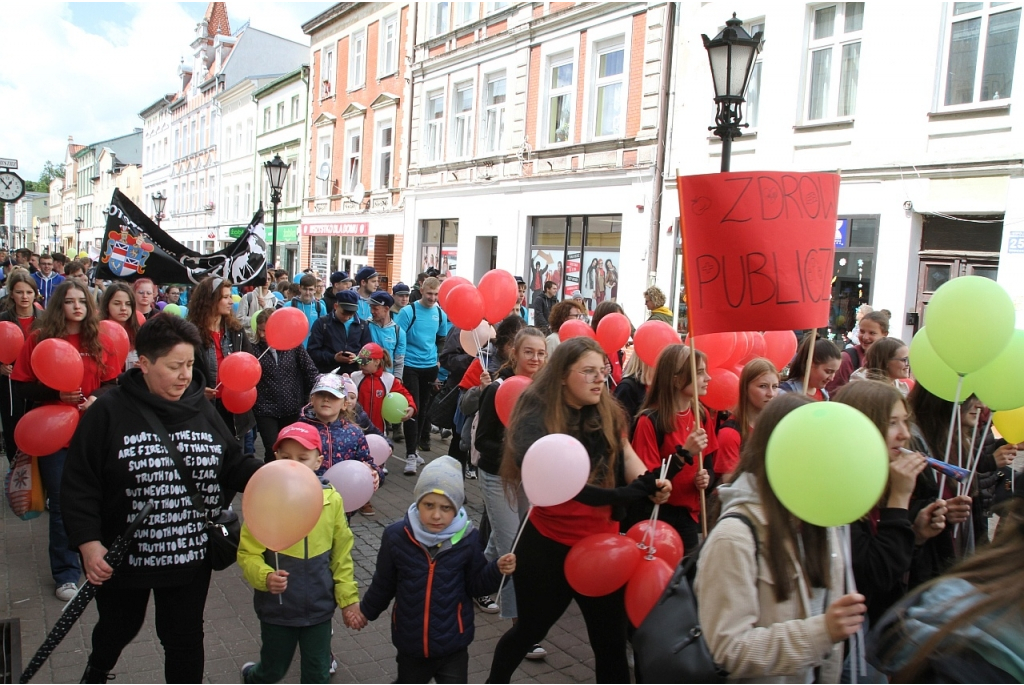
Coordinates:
[433,129]
[280,114]
[247,202]
[490,143]
[379,151]
[438,16]
[324,149]
[353,171]
[492,7]
[266,118]
[357,59]
[466,13]
[552,61]
[328,72]
[238,200]
[754,104]
[238,139]
[291,187]
[462,122]
[836,44]
[296,109]
[984,14]
[600,46]
[387,57]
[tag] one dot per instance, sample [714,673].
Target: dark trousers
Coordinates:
[680,519]
[179,625]
[11,411]
[542,596]
[419,383]
[453,668]
[279,642]
[64,562]
[269,427]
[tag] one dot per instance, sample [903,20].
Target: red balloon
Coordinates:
[600,564]
[613,333]
[287,327]
[500,292]
[240,372]
[58,365]
[507,395]
[465,306]
[114,333]
[46,429]
[739,354]
[651,338]
[667,543]
[11,341]
[723,390]
[781,346]
[718,347]
[447,286]
[238,402]
[646,587]
[574,328]
[140,317]
[758,346]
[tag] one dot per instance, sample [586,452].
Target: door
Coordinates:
[935,271]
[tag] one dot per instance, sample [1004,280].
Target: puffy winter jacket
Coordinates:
[287,379]
[433,611]
[372,390]
[340,441]
[328,336]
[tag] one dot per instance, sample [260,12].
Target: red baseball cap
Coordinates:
[302,433]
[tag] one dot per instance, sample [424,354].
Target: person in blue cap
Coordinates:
[366,285]
[340,280]
[386,332]
[335,339]
[401,294]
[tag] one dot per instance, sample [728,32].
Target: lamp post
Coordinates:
[54,227]
[159,202]
[78,233]
[276,170]
[731,53]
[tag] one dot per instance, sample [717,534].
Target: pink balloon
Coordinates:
[465,306]
[482,334]
[651,338]
[555,469]
[353,480]
[380,450]
[500,292]
[58,365]
[781,346]
[447,286]
[287,327]
[282,503]
[574,328]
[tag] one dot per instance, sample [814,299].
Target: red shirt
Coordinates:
[26,324]
[684,493]
[471,378]
[570,522]
[93,377]
[727,458]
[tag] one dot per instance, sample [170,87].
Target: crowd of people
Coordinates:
[933,575]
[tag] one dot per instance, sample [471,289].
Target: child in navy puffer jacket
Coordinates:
[432,565]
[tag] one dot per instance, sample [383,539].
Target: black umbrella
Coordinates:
[73,611]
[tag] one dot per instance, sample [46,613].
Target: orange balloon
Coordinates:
[282,503]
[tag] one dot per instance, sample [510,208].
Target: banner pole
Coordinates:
[697,424]
[810,360]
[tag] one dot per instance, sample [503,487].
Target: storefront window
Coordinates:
[853,271]
[578,254]
[439,246]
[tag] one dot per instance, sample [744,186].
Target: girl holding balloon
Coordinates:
[19,309]
[70,316]
[759,384]
[330,411]
[118,305]
[569,396]
[824,364]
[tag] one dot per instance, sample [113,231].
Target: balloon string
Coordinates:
[652,523]
[10,393]
[857,664]
[277,565]
[949,439]
[264,353]
[515,543]
[977,458]
[970,454]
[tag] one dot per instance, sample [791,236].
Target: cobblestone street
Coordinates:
[232,630]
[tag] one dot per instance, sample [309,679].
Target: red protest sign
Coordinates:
[758,249]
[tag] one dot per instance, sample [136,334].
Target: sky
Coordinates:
[86,69]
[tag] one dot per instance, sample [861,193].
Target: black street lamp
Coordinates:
[55,227]
[732,54]
[276,170]
[78,233]
[159,202]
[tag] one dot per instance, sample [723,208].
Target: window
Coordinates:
[437,20]
[608,80]
[177,145]
[590,267]
[266,119]
[195,137]
[387,61]
[202,192]
[295,108]
[247,202]
[280,114]
[494,113]
[238,199]
[490,7]
[439,245]
[353,157]
[834,59]
[227,201]
[327,72]
[753,95]
[384,147]
[192,200]
[981,51]
[434,135]
[291,188]
[323,169]
[357,60]
[853,268]
[227,148]
[462,120]
[561,80]
[465,12]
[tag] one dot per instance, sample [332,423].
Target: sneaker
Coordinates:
[434,429]
[486,604]
[424,445]
[367,510]
[470,474]
[334,665]
[536,652]
[420,460]
[246,667]
[398,436]
[66,592]
[445,433]
[411,462]
[384,470]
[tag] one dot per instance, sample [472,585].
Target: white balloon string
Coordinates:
[949,439]
[10,393]
[264,353]
[515,543]
[857,664]
[277,567]
[652,523]
[977,457]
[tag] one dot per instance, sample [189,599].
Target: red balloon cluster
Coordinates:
[239,373]
[728,353]
[467,305]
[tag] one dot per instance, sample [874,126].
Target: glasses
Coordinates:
[592,375]
[902,360]
[573,316]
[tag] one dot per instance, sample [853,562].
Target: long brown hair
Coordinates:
[202,308]
[754,369]
[53,324]
[664,395]
[881,353]
[782,529]
[18,276]
[824,350]
[543,401]
[131,326]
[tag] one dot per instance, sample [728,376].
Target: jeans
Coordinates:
[418,382]
[179,625]
[249,442]
[504,519]
[279,643]
[64,562]
[453,668]
[269,427]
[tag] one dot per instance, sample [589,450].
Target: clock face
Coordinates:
[11,187]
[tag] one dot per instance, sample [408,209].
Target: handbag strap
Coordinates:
[179,461]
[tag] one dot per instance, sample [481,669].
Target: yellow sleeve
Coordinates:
[250,558]
[342,568]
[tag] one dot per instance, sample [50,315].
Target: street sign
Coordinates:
[8,163]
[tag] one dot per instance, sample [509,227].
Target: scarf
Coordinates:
[456,530]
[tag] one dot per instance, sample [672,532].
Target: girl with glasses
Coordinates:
[887,360]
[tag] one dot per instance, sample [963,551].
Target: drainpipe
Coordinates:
[407,142]
[659,162]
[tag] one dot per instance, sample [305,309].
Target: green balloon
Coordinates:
[394,407]
[1000,385]
[934,374]
[819,479]
[970,321]
[253,324]
[172,309]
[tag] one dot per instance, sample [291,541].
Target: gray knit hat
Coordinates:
[443,476]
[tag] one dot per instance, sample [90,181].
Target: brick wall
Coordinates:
[636,75]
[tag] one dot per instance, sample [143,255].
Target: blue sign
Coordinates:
[1016,243]
[842,232]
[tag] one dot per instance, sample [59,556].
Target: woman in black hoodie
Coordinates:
[116,464]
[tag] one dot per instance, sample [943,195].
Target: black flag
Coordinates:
[135,247]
